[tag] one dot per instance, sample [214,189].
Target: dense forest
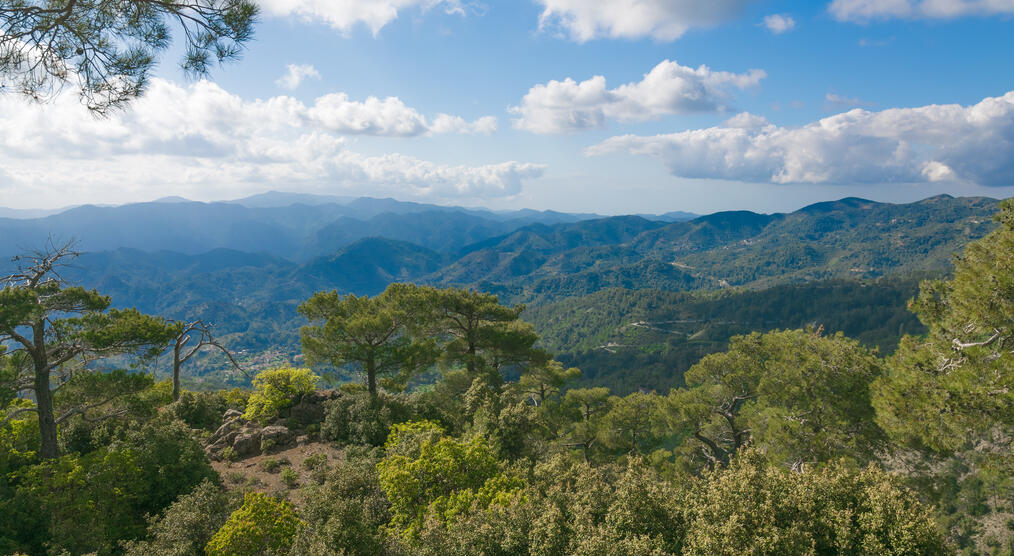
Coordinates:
[646,339]
[464,435]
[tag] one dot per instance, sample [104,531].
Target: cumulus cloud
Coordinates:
[779,23]
[669,88]
[867,10]
[388,117]
[974,144]
[295,74]
[345,15]
[662,20]
[202,136]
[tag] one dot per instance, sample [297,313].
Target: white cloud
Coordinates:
[779,23]
[669,88]
[867,10]
[201,138]
[345,15]
[387,117]
[295,75]
[973,144]
[662,20]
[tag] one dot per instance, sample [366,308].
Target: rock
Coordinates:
[279,436]
[308,413]
[310,408]
[302,440]
[231,414]
[247,444]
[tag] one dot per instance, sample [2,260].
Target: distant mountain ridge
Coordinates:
[265,261]
[294,226]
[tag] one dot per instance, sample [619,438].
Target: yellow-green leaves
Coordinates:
[262,525]
[277,389]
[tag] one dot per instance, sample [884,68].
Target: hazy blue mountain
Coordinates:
[272,199]
[29,213]
[368,266]
[293,226]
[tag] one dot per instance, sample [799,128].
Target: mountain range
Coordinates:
[245,265]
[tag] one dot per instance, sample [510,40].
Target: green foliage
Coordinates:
[186,526]
[631,339]
[276,390]
[53,327]
[634,424]
[289,477]
[480,334]
[200,410]
[345,514]
[958,382]
[262,525]
[96,408]
[583,410]
[802,397]
[358,418]
[426,471]
[543,382]
[370,335]
[754,508]
[272,465]
[92,502]
[108,50]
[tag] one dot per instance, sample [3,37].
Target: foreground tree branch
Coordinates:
[106,48]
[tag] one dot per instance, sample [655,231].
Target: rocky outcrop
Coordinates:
[246,439]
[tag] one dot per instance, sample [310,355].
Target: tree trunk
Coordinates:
[371,376]
[44,406]
[176,372]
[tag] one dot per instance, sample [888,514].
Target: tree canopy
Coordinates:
[108,48]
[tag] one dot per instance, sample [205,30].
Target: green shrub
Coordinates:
[289,477]
[358,418]
[262,525]
[200,410]
[277,389]
[345,513]
[315,461]
[186,525]
[272,465]
[93,502]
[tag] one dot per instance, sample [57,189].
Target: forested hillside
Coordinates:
[633,339]
[251,297]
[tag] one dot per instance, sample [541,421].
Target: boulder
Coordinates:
[232,414]
[247,444]
[279,436]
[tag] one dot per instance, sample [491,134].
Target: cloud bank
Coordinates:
[862,11]
[973,144]
[662,20]
[669,88]
[202,136]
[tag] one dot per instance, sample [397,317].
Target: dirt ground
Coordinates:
[264,473]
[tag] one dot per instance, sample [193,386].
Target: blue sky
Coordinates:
[471,105]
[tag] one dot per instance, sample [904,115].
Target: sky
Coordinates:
[605,106]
